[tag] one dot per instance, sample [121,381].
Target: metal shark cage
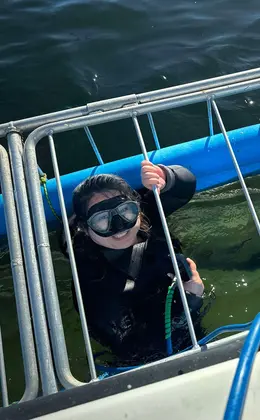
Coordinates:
[43,339]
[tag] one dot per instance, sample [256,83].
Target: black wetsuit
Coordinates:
[126,313]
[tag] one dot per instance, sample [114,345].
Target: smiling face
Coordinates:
[124,238]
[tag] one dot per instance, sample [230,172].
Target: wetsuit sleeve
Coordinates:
[195,303]
[178,191]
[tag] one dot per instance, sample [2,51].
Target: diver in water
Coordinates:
[124,265]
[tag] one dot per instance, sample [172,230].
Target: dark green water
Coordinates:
[59,54]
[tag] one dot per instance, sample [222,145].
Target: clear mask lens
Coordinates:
[100,221]
[128,211]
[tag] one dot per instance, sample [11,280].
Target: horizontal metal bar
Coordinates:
[114,103]
[28,124]
[199,85]
[139,109]
[33,122]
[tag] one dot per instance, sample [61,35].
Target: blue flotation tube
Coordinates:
[208,158]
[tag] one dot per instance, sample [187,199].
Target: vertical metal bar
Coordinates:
[20,289]
[4,390]
[169,241]
[47,271]
[151,122]
[93,144]
[211,126]
[48,379]
[240,176]
[72,261]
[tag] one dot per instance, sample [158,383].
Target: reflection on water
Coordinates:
[216,230]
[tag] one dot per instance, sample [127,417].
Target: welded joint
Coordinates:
[17,262]
[93,380]
[43,245]
[210,98]
[12,129]
[112,104]
[47,132]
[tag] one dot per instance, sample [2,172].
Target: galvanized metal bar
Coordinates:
[93,145]
[47,272]
[239,174]
[31,123]
[169,241]
[140,109]
[34,122]
[72,262]
[112,103]
[211,126]
[48,379]
[4,390]
[199,85]
[20,289]
[151,122]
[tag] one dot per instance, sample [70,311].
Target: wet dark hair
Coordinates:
[99,184]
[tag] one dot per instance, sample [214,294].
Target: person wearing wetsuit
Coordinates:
[124,265]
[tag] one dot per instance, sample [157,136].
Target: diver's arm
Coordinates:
[180,186]
[194,302]
[194,289]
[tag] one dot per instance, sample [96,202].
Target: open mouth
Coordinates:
[121,235]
